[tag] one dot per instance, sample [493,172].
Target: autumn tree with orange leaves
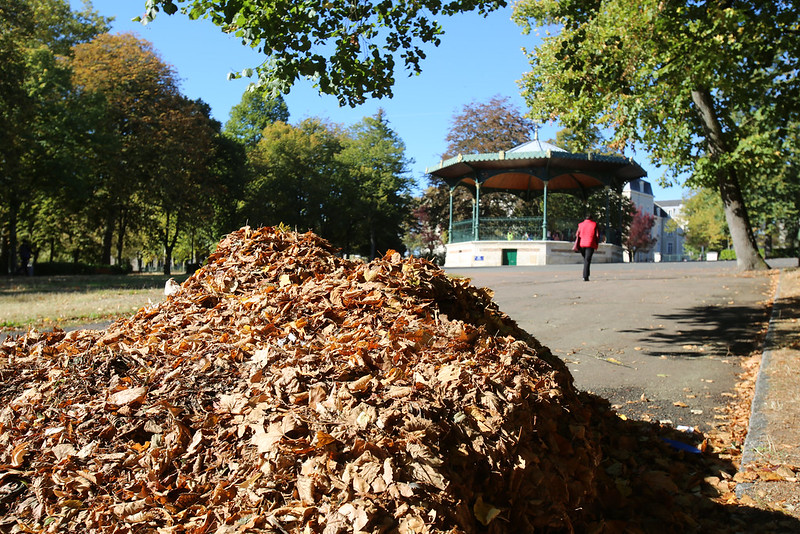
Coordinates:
[136,88]
[153,173]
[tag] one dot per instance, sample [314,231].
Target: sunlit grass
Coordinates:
[45,302]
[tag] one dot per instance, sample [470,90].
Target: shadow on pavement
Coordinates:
[721,331]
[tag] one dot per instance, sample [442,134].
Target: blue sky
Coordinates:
[479,58]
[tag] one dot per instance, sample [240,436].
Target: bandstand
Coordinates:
[529,171]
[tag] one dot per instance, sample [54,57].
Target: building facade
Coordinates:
[667,231]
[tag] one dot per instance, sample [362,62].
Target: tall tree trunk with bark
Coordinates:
[169,242]
[744,242]
[373,242]
[122,229]
[108,239]
[13,216]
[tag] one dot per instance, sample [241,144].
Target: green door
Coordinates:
[509,256]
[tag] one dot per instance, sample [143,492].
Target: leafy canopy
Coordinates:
[703,221]
[378,168]
[252,114]
[632,66]
[488,127]
[348,48]
[707,87]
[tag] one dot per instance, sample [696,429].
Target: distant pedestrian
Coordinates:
[25,252]
[588,239]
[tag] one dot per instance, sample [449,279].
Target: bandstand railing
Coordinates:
[512,228]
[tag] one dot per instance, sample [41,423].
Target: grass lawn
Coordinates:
[48,301]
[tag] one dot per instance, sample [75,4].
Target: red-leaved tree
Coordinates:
[640,237]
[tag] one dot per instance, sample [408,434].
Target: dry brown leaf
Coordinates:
[129,396]
[18,454]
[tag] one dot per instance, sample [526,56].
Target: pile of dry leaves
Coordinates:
[284,389]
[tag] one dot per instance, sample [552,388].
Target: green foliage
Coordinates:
[785,252]
[114,162]
[729,254]
[377,168]
[38,139]
[185,186]
[136,90]
[255,112]
[115,157]
[703,221]
[348,185]
[773,196]
[295,170]
[589,140]
[347,48]
[706,87]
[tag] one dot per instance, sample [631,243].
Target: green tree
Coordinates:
[62,220]
[137,88]
[252,114]
[774,199]
[696,83]
[294,172]
[347,48]
[182,187]
[374,156]
[229,164]
[703,221]
[588,140]
[35,131]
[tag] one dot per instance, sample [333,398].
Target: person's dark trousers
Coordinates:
[587,253]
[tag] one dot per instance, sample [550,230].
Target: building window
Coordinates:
[669,248]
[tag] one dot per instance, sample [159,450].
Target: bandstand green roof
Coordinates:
[524,170]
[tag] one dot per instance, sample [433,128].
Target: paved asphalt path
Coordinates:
[660,341]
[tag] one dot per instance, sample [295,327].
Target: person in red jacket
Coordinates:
[588,238]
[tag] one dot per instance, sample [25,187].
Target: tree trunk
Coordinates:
[170,241]
[108,240]
[167,249]
[744,242]
[373,246]
[5,256]
[122,229]
[167,260]
[13,215]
